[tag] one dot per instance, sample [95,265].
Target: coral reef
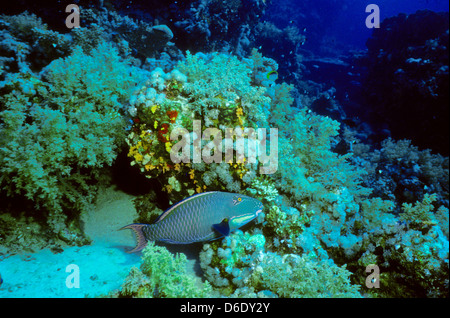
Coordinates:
[240,266]
[201,90]
[70,103]
[59,129]
[162,274]
[412,250]
[26,42]
[132,36]
[400,172]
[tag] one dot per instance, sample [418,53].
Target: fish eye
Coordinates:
[237,200]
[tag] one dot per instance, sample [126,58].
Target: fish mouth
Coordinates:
[258,212]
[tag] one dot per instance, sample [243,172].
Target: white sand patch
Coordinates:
[102,266]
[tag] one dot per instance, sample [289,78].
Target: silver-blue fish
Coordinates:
[201,217]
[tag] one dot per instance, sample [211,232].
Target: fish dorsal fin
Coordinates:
[168,211]
[223,227]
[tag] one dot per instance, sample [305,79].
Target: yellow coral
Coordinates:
[240,113]
[167,188]
[165,167]
[131,151]
[168,146]
[138,157]
[144,134]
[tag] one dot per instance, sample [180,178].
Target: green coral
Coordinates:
[376,212]
[284,225]
[58,132]
[308,168]
[101,78]
[240,266]
[420,214]
[432,170]
[263,189]
[24,24]
[162,274]
[297,276]
[442,217]
[411,250]
[411,264]
[216,90]
[227,264]
[224,82]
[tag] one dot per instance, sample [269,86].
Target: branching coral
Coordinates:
[162,274]
[26,36]
[314,204]
[292,275]
[411,250]
[228,265]
[308,167]
[213,92]
[58,131]
[129,34]
[241,266]
[223,82]
[420,214]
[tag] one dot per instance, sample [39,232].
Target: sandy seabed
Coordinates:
[102,266]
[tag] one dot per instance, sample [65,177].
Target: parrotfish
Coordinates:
[202,217]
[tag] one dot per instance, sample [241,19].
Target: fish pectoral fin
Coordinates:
[222,228]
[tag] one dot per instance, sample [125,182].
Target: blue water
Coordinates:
[350,18]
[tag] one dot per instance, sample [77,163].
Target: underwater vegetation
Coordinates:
[61,128]
[70,106]
[162,274]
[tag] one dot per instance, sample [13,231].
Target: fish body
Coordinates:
[199,218]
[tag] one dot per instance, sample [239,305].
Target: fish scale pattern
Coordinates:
[192,226]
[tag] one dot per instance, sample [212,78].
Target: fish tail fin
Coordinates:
[141,240]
